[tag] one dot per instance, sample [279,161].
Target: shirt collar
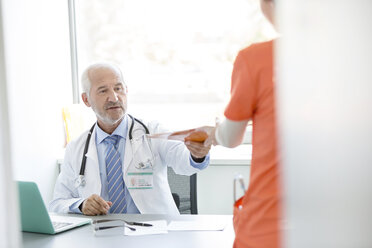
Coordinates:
[121,130]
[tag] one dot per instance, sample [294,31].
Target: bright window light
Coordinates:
[176,56]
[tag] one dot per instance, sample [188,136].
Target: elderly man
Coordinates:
[124,171]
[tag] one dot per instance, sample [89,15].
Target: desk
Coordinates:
[83,237]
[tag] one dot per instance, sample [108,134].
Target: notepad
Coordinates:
[210,225]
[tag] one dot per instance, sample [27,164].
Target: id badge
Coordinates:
[140,180]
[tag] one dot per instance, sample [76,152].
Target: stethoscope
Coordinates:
[80,181]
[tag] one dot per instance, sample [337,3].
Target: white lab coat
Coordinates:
[157,200]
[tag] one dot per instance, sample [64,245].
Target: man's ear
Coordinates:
[84,96]
[125,89]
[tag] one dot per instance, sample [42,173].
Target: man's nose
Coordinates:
[113,96]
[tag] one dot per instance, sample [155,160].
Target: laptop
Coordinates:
[35,217]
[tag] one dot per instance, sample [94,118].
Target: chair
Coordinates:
[183,190]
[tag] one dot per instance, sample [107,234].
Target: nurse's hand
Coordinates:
[211,140]
[95,205]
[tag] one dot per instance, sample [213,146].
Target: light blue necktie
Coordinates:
[115,176]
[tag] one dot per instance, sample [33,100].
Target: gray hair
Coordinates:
[85,81]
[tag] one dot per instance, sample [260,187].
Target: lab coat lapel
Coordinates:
[92,173]
[128,150]
[92,149]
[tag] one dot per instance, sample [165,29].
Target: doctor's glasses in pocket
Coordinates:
[143,155]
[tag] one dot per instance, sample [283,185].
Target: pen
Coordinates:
[98,228]
[138,223]
[133,223]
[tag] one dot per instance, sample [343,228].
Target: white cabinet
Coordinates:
[215,184]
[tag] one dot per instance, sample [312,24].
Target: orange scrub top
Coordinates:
[252,97]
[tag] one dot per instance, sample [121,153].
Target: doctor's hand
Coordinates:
[197,149]
[95,205]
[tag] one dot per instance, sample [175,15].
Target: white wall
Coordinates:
[325,102]
[39,84]
[9,234]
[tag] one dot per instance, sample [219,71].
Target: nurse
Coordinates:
[257,222]
[124,171]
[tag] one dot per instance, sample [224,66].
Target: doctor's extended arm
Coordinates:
[175,154]
[199,154]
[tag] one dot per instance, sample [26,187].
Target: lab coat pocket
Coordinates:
[143,156]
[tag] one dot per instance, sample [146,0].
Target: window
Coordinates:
[176,56]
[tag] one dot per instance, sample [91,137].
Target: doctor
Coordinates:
[124,171]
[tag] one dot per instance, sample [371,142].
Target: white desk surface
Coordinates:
[84,237]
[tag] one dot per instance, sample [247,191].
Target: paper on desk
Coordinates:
[158,227]
[210,225]
[196,134]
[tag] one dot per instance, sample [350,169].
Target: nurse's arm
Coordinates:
[230,133]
